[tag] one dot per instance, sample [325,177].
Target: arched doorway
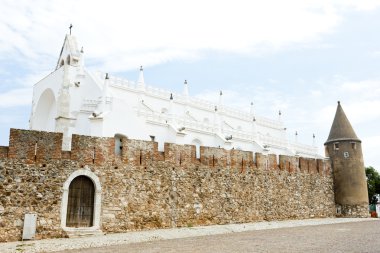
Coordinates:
[80,204]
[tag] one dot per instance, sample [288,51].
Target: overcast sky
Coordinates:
[299,57]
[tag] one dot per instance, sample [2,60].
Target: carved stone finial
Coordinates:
[141,68]
[296,133]
[220,93]
[185,81]
[107,77]
[81,50]
[171,96]
[279,113]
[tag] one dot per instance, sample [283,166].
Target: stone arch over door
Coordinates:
[84,176]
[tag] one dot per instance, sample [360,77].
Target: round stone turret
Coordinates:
[345,152]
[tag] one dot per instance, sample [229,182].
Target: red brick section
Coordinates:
[34,146]
[241,160]
[40,147]
[261,160]
[140,153]
[4,152]
[304,164]
[92,150]
[272,162]
[179,155]
[313,166]
[66,155]
[288,163]
[215,157]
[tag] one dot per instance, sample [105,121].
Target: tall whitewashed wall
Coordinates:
[105,107]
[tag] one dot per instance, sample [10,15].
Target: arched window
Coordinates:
[68,60]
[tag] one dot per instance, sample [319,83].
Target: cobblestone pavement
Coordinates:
[314,235]
[345,237]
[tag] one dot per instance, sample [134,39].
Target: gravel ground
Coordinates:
[133,238]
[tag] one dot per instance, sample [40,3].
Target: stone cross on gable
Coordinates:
[71,26]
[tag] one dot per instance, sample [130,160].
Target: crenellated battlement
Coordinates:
[136,186]
[41,147]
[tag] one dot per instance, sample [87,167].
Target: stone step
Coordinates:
[84,233]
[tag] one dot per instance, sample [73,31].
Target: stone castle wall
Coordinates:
[143,188]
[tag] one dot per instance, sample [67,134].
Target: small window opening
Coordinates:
[93,156]
[336,146]
[353,145]
[213,161]
[35,151]
[140,157]
[119,144]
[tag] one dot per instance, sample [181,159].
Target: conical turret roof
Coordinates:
[341,129]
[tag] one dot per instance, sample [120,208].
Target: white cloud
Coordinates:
[368,88]
[16,97]
[151,32]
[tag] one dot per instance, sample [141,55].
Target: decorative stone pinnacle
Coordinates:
[141,68]
[216,108]
[279,112]
[296,133]
[313,136]
[185,81]
[171,96]
[107,76]
[81,50]
[220,93]
[338,102]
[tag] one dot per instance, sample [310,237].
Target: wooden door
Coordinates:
[80,206]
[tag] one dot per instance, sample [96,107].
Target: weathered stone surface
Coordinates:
[144,188]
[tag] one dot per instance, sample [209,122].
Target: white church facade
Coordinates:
[73,100]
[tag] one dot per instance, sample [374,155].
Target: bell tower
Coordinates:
[344,149]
